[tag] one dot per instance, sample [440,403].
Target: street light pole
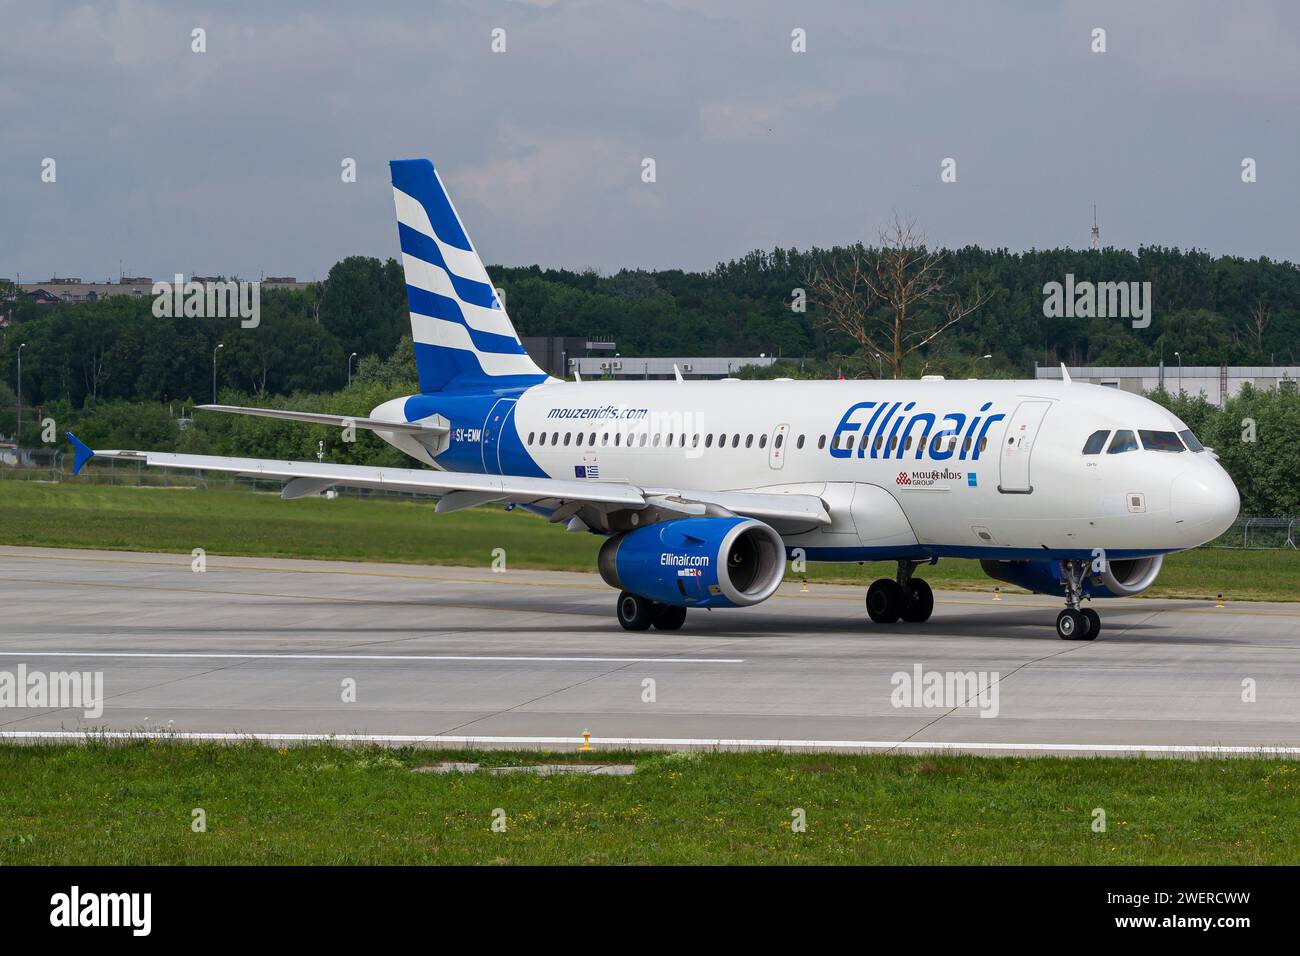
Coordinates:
[350,358]
[1179,356]
[220,346]
[18,435]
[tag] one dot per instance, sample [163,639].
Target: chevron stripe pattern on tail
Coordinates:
[463,337]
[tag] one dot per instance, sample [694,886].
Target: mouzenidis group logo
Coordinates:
[923,479]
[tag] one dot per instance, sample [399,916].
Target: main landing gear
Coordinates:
[636,613]
[1074,624]
[905,598]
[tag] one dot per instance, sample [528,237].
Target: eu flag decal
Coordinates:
[970,479]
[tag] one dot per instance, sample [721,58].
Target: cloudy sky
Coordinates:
[229,161]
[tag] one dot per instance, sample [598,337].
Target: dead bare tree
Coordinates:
[875,296]
[1259,321]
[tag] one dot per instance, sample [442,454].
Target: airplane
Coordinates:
[704,489]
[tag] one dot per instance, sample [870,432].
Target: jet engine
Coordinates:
[696,562]
[1119,579]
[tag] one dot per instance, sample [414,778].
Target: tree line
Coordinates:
[124,377]
[1211,310]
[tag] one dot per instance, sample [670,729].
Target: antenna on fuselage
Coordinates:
[1065,374]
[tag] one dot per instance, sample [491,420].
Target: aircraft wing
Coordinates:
[456,490]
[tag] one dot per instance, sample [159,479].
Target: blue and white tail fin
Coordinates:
[463,337]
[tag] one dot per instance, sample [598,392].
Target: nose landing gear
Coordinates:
[906,598]
[1074,624]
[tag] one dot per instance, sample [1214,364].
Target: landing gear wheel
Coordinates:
[635,613]
[1093,620]
[920,602]
[669,618]
[885,601]
[1071,625]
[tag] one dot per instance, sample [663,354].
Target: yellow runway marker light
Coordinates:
[586,741]
[997,594]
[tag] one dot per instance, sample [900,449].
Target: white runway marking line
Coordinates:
[712,743]
[254,655]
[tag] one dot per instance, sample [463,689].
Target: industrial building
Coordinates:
[1215,383]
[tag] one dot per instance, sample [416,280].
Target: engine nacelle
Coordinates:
[696,562]
[1120,578]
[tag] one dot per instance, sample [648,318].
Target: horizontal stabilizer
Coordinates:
[320,418]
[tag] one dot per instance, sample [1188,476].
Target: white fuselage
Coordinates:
[977,468]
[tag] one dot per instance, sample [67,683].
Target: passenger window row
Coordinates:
[937,444]
[669,440]
[847,441]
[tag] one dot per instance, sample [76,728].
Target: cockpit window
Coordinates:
[1160,441]
[1095,443]
[1190,440]
[1124,440]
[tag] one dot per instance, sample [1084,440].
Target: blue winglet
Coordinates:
[82,454]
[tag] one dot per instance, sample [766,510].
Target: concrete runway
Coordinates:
[458,656]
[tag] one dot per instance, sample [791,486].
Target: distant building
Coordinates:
[77,290]
[695,367]
[556,353]
[1213,382]
[561,355]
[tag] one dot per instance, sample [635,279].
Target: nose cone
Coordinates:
[1204,502]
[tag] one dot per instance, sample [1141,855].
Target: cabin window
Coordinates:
[984,443]
[708,440]
[778,441]
[821,442]
[936,444]
[695,441]
[735,440]
[542,439]
[1190,440]
[555,438]
[749,441]
[1096,442]
[965,445]
[645,437]
[655,442]
[799,443]
[907,445]
[531,435]
[762,441]
[568,436]
[1123,441]
[879,441]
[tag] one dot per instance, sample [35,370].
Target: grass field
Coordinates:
[240,522]
[134,803]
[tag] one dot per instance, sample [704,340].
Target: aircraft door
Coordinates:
[494,426]
[1017,447]
[776,447]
